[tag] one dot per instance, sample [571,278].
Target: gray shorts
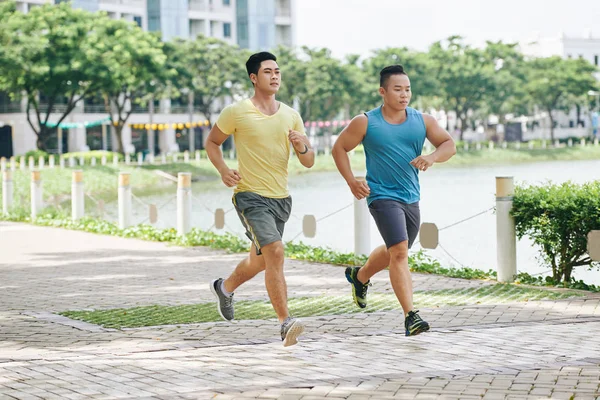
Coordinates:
[263,217]
[396,221]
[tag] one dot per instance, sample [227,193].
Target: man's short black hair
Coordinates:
[388,71]
[253,63]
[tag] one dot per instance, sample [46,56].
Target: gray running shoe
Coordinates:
[224,303]
[290,330]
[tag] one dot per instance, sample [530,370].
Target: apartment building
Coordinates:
[251,24]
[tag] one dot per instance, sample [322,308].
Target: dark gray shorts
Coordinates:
[396,221]
[263,217]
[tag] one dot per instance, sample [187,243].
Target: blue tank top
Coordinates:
[389,149]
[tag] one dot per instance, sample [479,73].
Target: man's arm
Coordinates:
[351,136]
[216,137]
[303,149]
[440,139]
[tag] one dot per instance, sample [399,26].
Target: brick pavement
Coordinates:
[545,349]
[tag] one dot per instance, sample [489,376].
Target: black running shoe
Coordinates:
[359,289]
[414,324]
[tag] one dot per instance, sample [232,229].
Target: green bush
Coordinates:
[558,218]
[36,154]
[97,154]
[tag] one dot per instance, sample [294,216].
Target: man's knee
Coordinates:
[274,251]
[399,252]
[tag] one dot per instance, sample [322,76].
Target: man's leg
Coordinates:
[247,269]
[400,276]
[274,255]
[379,259]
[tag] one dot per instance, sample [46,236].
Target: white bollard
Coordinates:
[186,156]
[140,159]
[124,196]
[3,164]
[93,162]
[595,141]
[115,160]
[36,193]
[362,242]
[556,144]
[570,142]
[491,145]
[22,163]
[7,191]
[518,145]
[51,161]
[466,146]
[13,163]
[103,159]
[77,195]
[31,163]
[544,144]
[530,145]
[61,161]
[127,159]
[582,142]
[506,238]
[197,155]
[478,146]
[42,162]
[151,158]
[71,162]
[163,158]
[81,161]
[184,202]
[175,157]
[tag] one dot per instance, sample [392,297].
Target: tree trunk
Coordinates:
[551,125]
[463,126]
[567,271]
[119,135]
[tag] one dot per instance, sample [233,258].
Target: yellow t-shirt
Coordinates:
[262,145]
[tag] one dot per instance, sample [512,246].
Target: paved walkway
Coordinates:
[528,350]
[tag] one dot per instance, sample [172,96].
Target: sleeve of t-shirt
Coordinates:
[299,124]
[226,120]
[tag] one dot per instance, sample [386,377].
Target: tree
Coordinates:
[45,56]
[509,77]
[551,80]
[210,67]
[464,75]
[129,67]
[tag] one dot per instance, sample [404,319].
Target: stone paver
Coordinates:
[531,350]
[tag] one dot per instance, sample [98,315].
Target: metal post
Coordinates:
[124,199]
[77,195]
[184,202]
[362,245]
[506,237]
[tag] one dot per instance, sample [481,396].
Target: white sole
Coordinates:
[292,336]
[212,289]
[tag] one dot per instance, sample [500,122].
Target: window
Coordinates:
[226,30]
[138,20]
[226,2]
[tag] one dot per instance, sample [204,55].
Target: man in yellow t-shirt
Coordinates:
[263,130]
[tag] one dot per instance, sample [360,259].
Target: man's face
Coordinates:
[268,78]
[396,93]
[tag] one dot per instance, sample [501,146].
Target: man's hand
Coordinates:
[360,189]
[230,177]
[422,163]
[298,140]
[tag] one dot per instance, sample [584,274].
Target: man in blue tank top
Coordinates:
[392,136]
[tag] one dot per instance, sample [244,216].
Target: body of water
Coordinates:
[448,195]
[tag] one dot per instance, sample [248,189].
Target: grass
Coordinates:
[311,306]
